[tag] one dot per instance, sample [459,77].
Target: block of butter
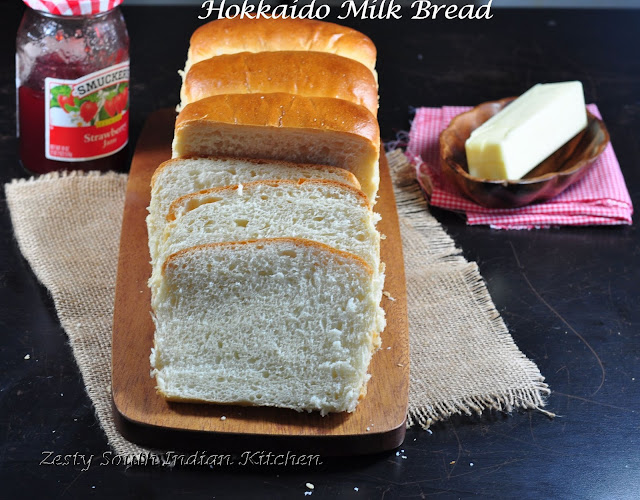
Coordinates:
[527,131]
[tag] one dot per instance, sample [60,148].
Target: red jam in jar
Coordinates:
[72,79]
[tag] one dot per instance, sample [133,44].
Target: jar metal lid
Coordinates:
[73,7]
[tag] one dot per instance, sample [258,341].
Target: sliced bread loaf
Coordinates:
[311,74]
[286,127]
[276,322]
[180,176]
[325,211]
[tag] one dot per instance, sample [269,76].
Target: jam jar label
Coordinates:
[87,118]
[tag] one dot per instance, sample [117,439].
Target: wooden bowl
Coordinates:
[548,179]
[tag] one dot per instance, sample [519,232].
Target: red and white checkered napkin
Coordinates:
[599,198]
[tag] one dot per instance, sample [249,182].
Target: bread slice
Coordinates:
[320,210]
[230,36]
[180,176]
[310,74]
[286,127]
[275,322]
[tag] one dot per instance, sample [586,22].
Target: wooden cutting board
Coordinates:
[145,417]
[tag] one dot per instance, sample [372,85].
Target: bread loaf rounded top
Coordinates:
[281,110]
[228,36]
[311,74]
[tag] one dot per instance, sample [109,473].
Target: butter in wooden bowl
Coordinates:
[530,129]
[516,151]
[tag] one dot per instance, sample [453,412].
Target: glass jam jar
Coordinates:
[72,85]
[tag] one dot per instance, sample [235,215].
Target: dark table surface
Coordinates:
[570,296]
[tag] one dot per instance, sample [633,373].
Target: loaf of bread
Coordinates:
[320,210]
[181,176]
[275,322]
[230,36]
[309,74]
[283,127]
[266,275]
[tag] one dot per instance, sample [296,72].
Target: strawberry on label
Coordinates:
[64,100]
[109,107]
[61,101]
[120,102]
[125,97]
[88,110]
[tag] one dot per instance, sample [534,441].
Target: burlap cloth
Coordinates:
[463,359]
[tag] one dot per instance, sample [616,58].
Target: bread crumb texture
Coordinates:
[276,322]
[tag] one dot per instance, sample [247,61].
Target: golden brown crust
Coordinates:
[284,111]
[229,36]
[299,242]
[349,177]
[185,199]
[310,74]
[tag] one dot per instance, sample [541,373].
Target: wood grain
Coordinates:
[376,425]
